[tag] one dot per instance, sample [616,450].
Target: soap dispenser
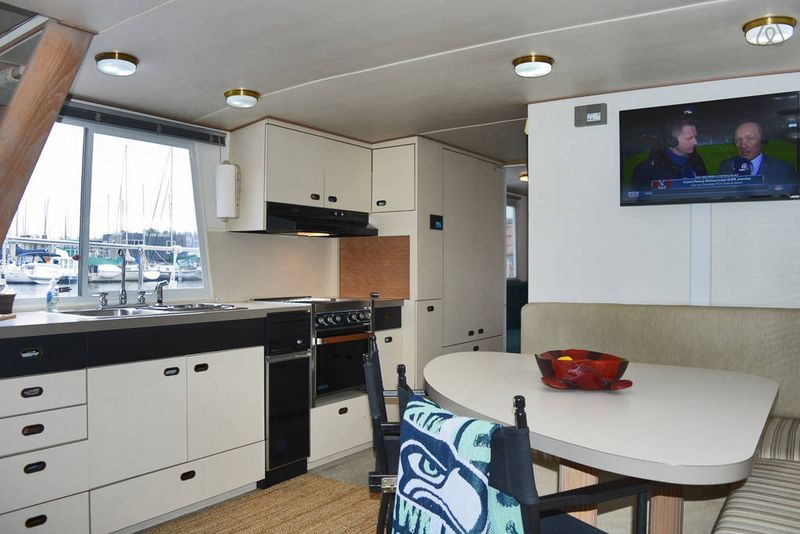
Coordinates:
[52,296]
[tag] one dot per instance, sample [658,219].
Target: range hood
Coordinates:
[292,219]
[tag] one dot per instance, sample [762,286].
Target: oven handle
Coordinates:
[341,339]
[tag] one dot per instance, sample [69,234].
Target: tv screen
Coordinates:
[718,151]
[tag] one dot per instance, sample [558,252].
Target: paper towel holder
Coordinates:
[227,187]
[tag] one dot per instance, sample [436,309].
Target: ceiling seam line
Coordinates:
[473,126]
[136,16]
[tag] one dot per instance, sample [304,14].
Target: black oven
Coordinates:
[339,364]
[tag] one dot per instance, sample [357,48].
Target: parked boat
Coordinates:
[39,267]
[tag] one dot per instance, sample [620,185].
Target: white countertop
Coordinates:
[675,424]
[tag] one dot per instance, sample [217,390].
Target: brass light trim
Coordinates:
[533,65]
[782,29]
[523,176]
[116,63]
[241,97]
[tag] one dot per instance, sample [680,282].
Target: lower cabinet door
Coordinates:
[139,499]
[39,476]
[339,426]
[70,514]
[490,344]
[390,350]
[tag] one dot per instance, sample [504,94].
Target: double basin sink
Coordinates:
[158,309]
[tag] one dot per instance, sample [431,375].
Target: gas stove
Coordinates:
[333,314]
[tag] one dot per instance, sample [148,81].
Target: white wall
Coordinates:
[584,247]
[258,265]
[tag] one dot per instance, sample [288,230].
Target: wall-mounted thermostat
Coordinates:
[590,115]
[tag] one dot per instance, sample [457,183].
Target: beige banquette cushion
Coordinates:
[760,341]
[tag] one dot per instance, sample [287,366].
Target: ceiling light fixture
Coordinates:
[769,30]
[116,63]
[523,176]
[533,66]
[241,98]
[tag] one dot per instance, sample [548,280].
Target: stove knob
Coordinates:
[320,321]
[361,316]
[352,318]
[330,320]
[338,318]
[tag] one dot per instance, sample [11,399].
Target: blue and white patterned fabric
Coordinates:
[442,479]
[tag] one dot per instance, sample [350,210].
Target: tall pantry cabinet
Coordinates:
[451,204]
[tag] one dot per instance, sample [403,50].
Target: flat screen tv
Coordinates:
[729,150]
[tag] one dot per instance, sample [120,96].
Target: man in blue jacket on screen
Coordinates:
[676,159]
[749,138]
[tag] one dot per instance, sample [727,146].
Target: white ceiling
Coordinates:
[381,69]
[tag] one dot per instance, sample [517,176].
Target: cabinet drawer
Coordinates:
[70,514]
[44,429]
[22,356]
[138,499]
[36,393]
[44,475]
[492,344]
[339,426]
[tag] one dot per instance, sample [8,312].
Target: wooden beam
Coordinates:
[33,109]
[573,476]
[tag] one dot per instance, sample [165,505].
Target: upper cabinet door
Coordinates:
[348,170]
[295,167]
[393,170]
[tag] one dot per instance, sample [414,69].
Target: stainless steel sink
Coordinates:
[113,312]
[197,307]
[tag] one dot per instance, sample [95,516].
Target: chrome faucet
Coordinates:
[160,292]
[123,293]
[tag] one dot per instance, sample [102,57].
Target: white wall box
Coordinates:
[42,392]
[339,426]
[43,475]
[67,515]
[393,178]
[132,501]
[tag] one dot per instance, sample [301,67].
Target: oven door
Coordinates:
[288,409]
[339,364]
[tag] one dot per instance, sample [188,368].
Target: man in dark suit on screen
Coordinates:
[749,138]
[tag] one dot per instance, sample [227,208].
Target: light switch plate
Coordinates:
[591,115]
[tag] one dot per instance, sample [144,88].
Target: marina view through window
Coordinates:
[136,196]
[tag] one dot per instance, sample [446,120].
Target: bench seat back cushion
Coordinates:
[781,440]
[759,341]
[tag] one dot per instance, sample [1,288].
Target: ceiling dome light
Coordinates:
[533,66]
[769,30]
[241,98]
[523,176]
[116,63]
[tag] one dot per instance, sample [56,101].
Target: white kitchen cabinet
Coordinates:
[67,515]
[295,166]
[393,178]
[339,426]
[492,344]
[137,418]
[390,351]
[225,392]
[474,242]
[36,393]
[42,429]
[132,501]
[347,176]
[429,336]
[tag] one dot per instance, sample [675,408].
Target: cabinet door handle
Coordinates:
[343,411]
[36,521]
[471,333]
[387,339]
[380,203]
[480,330]
[31,392]
[332,198]
[31,430]
[34,467]
[188,475]
[429,308]
[476,348]
[200,367]
[314,196]
[31,353]
[171,371]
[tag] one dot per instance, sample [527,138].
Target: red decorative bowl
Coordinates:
[582,369]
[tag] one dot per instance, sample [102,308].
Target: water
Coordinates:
[24,291]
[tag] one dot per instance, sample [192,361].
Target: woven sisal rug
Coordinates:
[306,504]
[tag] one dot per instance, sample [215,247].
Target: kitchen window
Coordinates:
[102,200]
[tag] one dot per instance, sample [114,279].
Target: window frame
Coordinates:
[178,294]
[514,204]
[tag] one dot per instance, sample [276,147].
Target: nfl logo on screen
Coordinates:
[661,184]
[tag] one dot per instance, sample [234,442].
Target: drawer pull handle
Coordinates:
[480,330]
[35,467]
[332,198]
[476,348]
[314,196]
[188,475]
[387,339]
[30,430]
[171,371]
[36,521]
[31,353]
[31,392]
[200,367]
[343,411]
[381,203]
[471,333]
[429,308]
